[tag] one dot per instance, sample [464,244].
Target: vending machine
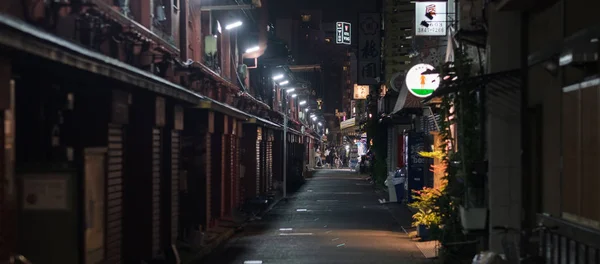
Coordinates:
[417,167]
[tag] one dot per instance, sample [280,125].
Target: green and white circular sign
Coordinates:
[422,85]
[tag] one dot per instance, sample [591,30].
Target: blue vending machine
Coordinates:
[417,167]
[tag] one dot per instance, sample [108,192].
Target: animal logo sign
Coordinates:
[430,11]
[419,84]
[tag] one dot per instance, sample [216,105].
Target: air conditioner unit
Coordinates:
[210,45]
[242,71]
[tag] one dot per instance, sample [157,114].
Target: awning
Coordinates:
[406,101]
[20,36]
[208,103]
[263,122]
[494,82]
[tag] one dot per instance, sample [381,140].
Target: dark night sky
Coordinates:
[333,10]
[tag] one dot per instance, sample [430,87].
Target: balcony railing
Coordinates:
[134,25]
[567,242]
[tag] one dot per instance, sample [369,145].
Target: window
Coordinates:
[305,18]
[345,68]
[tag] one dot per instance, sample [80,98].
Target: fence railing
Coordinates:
[568,243]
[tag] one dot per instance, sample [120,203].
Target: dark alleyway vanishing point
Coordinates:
[334,218]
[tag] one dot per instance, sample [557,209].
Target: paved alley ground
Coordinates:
[334,218]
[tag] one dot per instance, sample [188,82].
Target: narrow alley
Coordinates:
[336,217]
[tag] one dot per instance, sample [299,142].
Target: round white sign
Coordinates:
[422,85]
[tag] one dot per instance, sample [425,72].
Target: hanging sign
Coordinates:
[431,18]
[361,92]
[343,33]
[369,48]
[422,85]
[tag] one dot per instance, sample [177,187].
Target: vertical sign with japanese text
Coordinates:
[369,48]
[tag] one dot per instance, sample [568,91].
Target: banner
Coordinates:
[369,48]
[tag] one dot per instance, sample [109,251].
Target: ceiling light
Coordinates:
[253,49]
[306,110]
[303,102]
[320,124]
[233,25]
[290,90]
[294,95]
[314,118]
[278,77]
[284,83]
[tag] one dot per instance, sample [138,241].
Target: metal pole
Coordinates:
[285,157]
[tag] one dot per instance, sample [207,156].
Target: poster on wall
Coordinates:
[361,92]
[369,48]
[431,18]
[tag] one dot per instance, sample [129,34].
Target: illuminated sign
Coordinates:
[361,91]
[343,33]
[431,18]
[421,85]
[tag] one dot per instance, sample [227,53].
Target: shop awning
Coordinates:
[263,122]
[20,36]
[208,103]
[498,82]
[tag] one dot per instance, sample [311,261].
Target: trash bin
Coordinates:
[399,181]
[389,182]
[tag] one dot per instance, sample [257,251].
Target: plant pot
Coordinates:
[473,218]
[423,232]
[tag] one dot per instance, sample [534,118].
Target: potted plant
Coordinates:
[427,215]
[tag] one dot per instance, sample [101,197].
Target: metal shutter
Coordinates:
[207,141]
[175,162]
[258,171]
[114,194]
[269,164]
[156,158]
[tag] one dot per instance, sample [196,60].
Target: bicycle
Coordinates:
[511,254]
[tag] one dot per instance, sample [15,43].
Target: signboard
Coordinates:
[430,18]
[343,33]
[369,48]
[348,123]
[43,192]
[361,91]
[422,85]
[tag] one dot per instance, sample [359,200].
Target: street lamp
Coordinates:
[278,77]
[233,25]
[253,49]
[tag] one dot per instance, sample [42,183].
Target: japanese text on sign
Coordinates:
[343,33]
[369,48]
